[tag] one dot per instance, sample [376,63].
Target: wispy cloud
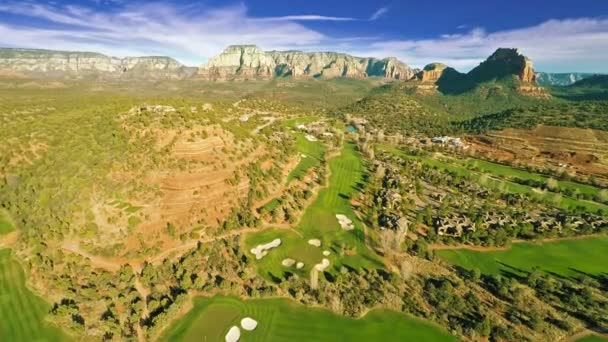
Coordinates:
[555,45]
[312,17]
[194,33]
[379,13]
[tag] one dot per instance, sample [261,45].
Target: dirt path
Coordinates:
[438,247]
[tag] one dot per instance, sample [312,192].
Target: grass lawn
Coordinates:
[22,313]
[313,152]
[5,224]
[506,171]
[592,338]
[501,182]
[564,258]
[284,320]
[319,222]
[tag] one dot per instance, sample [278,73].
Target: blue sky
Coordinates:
[558,35]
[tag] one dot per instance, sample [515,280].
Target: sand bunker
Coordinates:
[314,242]
[233,334]
[323,265]
[288,262]
[326,253]
[311,138]
[299,265]
[249,323]
[345,222]
[261,250]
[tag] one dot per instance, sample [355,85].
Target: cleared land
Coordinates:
[283,320]
[22,313]
[564,258]
[319,222]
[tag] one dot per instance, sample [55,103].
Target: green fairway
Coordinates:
[319,222]
[22,314]
[566,257]
[284,320]
[509,172]
[500,179]
[5,224]
[592,338]
[311,156]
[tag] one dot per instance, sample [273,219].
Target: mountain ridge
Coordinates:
[251,62]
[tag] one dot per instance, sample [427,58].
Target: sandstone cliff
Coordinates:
[65,63]
[249,62]
[431,72]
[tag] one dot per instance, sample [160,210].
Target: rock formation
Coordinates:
[561,79]
[249,62]
[431,72]
[66,63]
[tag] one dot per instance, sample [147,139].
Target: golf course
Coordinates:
[564,258]
[319,222]
[22,313]
[284,320]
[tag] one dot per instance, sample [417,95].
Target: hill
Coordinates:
[547,79]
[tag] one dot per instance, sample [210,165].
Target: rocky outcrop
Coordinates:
[65,63]
[431,72]
[527,73]
[250,62]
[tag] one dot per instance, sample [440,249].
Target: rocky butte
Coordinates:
[250,62]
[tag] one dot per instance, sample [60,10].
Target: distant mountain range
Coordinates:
[80,64]
[249,61]
[560,79]
[243,62]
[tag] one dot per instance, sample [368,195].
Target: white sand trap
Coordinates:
[311,138]
[326,253]
[299,265]
[314,242]
[345,222]
[323,265]
[249,323]
[261,250]
[233,334]
[288,262]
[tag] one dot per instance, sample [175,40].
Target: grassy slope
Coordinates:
[566,258]
[21,312]
[283,320]
[319,222]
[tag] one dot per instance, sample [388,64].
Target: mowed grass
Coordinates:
[284,320]
[510,172]
[311,155]
[564,258]
[499,181]
[22,313]
[593,338]
[6,225]
[319,221]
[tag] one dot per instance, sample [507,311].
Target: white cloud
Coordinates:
[312,17]
[555,45]
[194,33]
[379,13]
